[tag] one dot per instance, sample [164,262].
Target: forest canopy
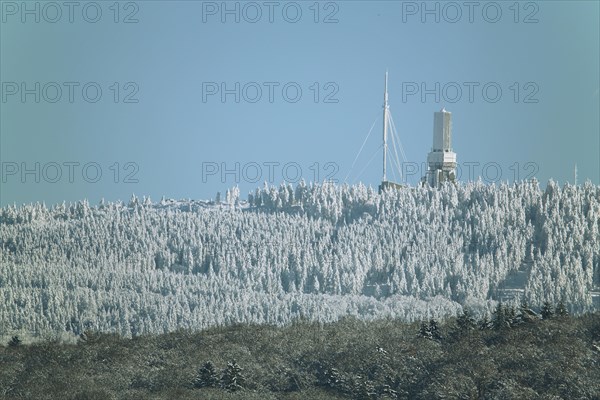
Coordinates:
[317,252]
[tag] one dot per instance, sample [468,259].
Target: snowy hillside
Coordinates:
[317,252]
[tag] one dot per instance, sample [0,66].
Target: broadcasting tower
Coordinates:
[441,160]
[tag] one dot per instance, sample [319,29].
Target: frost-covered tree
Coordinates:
[232,378]
[315,251]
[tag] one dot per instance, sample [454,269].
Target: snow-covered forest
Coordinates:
[316,252]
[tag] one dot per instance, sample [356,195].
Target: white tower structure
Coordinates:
[441,160]
[388,127]
[386,108]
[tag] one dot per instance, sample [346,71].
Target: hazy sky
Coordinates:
[162,125]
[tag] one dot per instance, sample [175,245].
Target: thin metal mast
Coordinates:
[575,174]
[385,122]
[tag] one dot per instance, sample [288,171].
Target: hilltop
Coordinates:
[316,252]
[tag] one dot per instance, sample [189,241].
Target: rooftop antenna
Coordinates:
[385,122]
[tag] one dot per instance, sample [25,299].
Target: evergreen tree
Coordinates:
[511,315]
[547,311]
[526,314]
[484,323]
[334,379]
[14,341]
[465,321]
[430,330]
[232,379]
[424,330]
[363,389]
[561,309]
[499,318]
[207,376]
[434,330]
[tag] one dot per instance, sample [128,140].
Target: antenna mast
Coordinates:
[385,122]
[575,174]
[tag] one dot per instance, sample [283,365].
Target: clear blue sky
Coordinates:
[176,49]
